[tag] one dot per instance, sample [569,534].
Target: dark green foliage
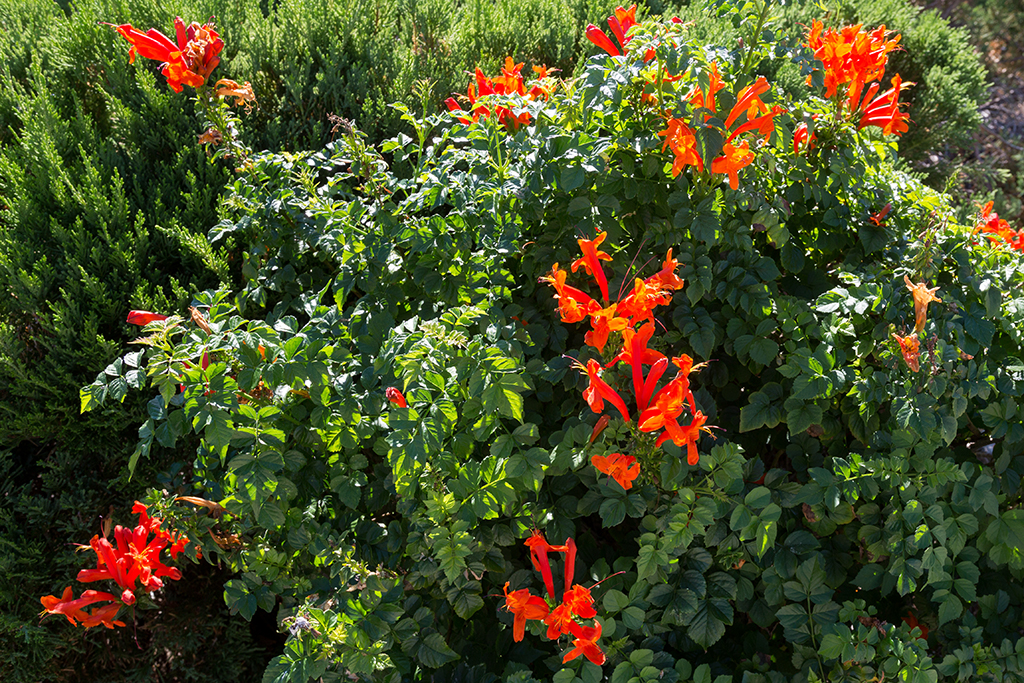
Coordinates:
[842,495]
[105,198]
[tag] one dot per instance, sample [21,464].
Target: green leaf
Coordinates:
[708,624]
[649,560]
[238,598]
[758,498]
[434,652]
[949,609]
[801,416]
[465,602]
[614,601]
[572,178]
[613,511]
[869,577]
[763,351]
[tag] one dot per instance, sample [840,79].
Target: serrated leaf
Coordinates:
[434,651]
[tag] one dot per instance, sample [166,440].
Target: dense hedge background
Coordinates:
[106,198]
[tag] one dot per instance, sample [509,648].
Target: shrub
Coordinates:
[389,406]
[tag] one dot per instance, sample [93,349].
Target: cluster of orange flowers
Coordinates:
[560,620]
[509,82]
[998,230]
[132,561]
[187,62]
[854,58]
[910,345]
[755,116]
[631,316]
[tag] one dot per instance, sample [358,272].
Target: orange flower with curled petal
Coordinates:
[523,606]
[667,405]
[558,621]
[802,136]
[227,89]
[604,322]
[764,125]
[922,297]
[539,549]
[103,615]
[636,354]
[73,609]
[697,97]
[598,391]
[580,602]
[637,306]
[666,278]
[748,101]
[573,304]
[586,644]
[622,468]
[591,261]
[734,158]
[884,111]
[910,347]
[683,142]
[685,436]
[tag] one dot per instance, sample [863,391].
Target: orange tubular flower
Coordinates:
[580,602]
[570,562]
[586,644]
[539,549]
[910,347]
[922,297]
[748,100]
[666,278]
[559,621]
[764,125]
[699,99]
[622,468]
[598,391]
[189,62]
[642,300]
[667,406]
[884,111]
[685,436]
[732,160]
[683,142]
[144,317]
[573,304]
[72,608]
[602,422]
[396,397]
[604,322]
[635,352]
[800,137]
[591,261]
[620,22]
[523,606]
[878,218]
[998,230]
